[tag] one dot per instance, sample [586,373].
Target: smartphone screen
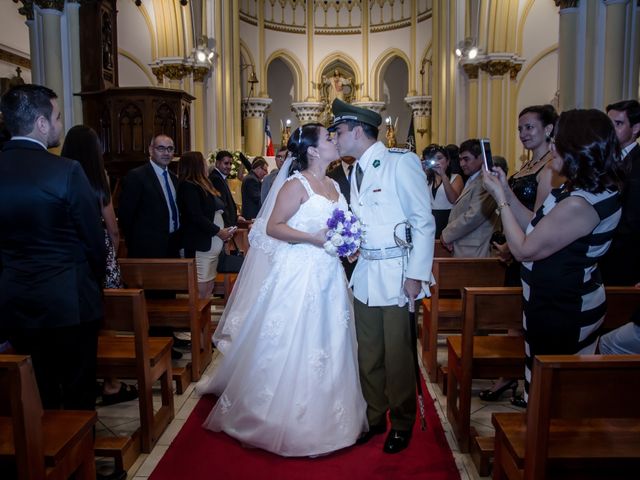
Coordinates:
[486,154]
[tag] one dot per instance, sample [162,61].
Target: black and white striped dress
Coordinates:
[563,296]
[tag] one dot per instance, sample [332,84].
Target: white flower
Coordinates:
[337,240]
[348,216]
[330,248]
[348,240]
[354,228]
[340,227]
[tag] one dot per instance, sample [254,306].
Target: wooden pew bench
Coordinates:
[485,310]
[133,354]
[190,313]
[40,444]
[442,314]
[582,421]
[621,303]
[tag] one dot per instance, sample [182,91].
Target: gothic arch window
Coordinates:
[165,121]
[131,131]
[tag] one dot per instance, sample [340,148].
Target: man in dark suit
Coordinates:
[148,211]
[341,173]
[251,185]
[218,177]
[621,263]
[53,253]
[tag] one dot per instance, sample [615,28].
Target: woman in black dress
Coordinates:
[82,144]
[201,225]
[563,296]
[529,186]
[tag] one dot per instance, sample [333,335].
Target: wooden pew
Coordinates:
[445,314]
[621,303]
[138,356]
[485,310]
[582,421]
[40,444]
[192,313]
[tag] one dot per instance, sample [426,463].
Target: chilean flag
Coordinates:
[268,141]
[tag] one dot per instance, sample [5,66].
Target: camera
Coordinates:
[430,163]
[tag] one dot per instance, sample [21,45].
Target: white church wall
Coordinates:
[14,38]
[135,51]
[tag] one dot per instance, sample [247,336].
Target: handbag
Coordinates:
[230,262]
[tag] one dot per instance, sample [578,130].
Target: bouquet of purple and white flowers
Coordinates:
[344,235]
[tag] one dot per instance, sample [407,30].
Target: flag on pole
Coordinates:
[268,141]
[411,137]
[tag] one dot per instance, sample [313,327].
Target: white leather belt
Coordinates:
[381,253]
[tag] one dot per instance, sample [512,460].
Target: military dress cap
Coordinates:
[343,111]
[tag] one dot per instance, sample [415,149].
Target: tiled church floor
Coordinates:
[123,419]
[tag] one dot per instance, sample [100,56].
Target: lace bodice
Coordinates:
[314,213]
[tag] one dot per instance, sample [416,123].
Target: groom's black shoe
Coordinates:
[396,441]
[373,431]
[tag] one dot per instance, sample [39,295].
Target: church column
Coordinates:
[310,9]
[200,74]
[413,56]
[44,19]
[444,72]
[366,79]
[254,109]
[72,10]
[472,70]
[421,110]
[614,46]
[567,54]
[307,112]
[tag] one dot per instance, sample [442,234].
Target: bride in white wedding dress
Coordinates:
[288,380]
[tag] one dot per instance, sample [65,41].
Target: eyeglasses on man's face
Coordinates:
[163,149]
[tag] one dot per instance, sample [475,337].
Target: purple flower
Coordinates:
[344,235]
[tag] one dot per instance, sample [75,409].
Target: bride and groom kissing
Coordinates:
[312,363]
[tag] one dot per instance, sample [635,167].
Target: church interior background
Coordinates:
[214,72]
[248,61]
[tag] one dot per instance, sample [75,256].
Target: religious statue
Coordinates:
[337,86]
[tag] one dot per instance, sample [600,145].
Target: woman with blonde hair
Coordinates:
[202,227]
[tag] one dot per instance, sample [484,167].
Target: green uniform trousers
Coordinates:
[387,373]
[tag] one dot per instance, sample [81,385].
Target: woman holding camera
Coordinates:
[559,247]
[445,186]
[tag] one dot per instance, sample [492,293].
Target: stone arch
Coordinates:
[294,65]
[380,66]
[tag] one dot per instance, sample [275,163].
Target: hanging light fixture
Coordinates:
[467,49]
[203,53]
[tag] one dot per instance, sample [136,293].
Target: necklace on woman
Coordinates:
[529,164]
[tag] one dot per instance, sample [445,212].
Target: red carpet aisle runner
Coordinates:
[197,454]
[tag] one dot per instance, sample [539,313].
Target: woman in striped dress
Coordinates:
[563,296]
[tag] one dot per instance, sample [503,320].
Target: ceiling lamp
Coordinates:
[467,49]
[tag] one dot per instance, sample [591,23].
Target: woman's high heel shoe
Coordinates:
[490,395]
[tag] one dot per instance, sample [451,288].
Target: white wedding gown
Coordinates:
[288,382]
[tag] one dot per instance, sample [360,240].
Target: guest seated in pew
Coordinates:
[203,231]
[624,340]
[82,144]
[473,218]
[563,296]
[445,187]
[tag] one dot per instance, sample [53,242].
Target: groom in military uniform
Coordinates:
[389,195]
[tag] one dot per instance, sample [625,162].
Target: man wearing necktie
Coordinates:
[147,211]
[389,195]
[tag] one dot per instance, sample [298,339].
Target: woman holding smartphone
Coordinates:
[559,246]
[201,224]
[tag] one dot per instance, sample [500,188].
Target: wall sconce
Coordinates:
[391,132]
[202,53]
[467,49]
[286,131]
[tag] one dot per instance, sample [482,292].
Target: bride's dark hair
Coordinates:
[299,142]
